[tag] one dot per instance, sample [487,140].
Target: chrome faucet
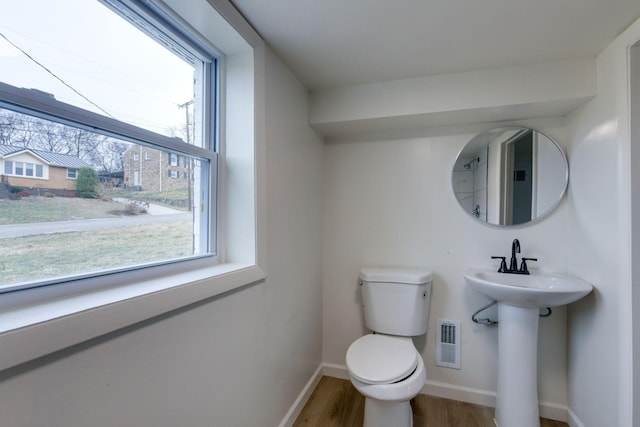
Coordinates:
[513,267]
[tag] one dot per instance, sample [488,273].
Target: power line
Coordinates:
[55,76]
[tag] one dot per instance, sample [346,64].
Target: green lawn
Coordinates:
[52,255]
[45,209]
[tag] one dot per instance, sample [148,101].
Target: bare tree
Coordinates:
[102,152]
[15,129]
[111,156]
[83,144]
[51,136]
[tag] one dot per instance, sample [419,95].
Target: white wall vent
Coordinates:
[448,344]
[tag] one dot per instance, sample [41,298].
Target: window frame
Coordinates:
[9,169]
[72,173]
[38,321]
[166,32]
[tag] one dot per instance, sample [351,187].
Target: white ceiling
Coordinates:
[335,43]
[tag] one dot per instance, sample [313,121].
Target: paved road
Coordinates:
[18,230]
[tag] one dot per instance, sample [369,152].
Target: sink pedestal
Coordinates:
[517,394]
[520,297]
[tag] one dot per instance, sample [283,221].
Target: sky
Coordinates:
[121,71]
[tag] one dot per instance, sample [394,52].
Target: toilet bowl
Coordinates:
[388,371]
[387,378]
[385,367]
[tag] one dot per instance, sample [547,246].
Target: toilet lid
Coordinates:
[381,359]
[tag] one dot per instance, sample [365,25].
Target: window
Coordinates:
[37,321]
[72,173]
[96,109]
[23,169]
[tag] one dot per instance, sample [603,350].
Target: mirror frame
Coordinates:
[481,140]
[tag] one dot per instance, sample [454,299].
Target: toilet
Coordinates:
[385,366]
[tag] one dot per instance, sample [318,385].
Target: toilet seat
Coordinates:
[381,359]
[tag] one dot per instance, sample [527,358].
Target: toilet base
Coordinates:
[381,413]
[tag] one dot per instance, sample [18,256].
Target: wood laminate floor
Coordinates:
[336,403]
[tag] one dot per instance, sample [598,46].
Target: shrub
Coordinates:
[136,208]
[49,195]
[87,183]
[15,190]
[107,190]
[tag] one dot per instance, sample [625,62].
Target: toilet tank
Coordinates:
[396,300]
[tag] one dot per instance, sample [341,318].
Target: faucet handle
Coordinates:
[523,264]
[503,263]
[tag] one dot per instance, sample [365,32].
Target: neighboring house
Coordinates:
[38,169]
[154,170]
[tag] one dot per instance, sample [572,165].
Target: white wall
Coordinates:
[237,360]
[601,368]
[635,217]
[389,202]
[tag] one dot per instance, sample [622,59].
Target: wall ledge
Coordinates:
[513,93]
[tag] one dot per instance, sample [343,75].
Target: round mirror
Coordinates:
[510,176]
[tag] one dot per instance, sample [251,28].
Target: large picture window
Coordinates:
[91,130]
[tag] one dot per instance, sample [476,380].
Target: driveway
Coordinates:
[30,229]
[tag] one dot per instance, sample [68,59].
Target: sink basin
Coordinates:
[534,290]
[520,298]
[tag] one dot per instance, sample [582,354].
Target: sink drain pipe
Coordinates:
[487,321]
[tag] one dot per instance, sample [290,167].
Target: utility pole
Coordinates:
[186,111]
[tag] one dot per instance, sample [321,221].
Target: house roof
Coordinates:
[52,159]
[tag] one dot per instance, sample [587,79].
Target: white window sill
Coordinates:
[29,331]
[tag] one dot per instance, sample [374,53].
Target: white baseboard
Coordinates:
[462,394]
[304,395]
[553,411]
[335,371]
[549,410]
[573,420]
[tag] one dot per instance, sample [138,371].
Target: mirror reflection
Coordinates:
[510,176]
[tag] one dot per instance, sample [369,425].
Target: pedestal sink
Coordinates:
[520,298]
